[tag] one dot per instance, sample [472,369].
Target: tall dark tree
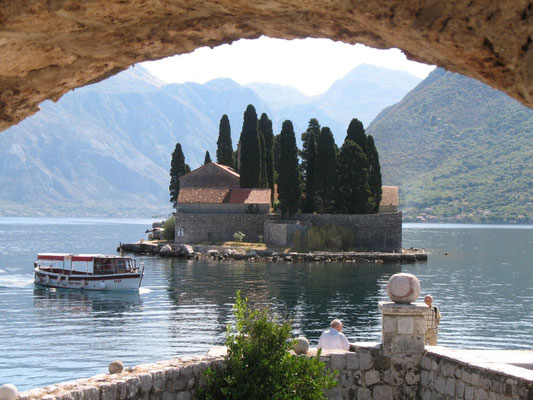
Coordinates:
[178,167]
[353,192]
[326,172]
[374,174]
[310,178]
[289,173]
[265,127]
[250,159]
[356,133]
[313,129]
[207,158]
[224,145]
[276,151]
[263,179]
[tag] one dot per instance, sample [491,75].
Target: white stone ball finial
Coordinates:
[116,367]
[8,392]
[403,288]
[301,345]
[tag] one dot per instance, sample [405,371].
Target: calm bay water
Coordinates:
[481,278]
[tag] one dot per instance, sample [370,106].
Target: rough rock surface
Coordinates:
[49,47]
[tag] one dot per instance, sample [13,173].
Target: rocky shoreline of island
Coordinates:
[221,253]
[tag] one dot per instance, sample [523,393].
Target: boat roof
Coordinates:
[73,257]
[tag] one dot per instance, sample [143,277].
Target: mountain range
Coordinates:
[459,150]
[104,149]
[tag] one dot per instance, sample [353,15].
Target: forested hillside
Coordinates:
[460,150]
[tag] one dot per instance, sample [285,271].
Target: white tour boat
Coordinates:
[88,271]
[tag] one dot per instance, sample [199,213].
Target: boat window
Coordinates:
[122,266]
[103,266]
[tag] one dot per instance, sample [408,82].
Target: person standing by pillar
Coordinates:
[432,321]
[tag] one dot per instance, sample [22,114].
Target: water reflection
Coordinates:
[75,302]
[309,294]
[483,288]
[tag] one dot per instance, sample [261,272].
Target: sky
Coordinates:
[310,65]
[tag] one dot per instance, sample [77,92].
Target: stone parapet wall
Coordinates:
[373,232]
[176,379]
[446,377]
[363,374]
[198,228]
[369,374]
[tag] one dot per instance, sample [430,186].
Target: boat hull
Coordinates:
[128,281]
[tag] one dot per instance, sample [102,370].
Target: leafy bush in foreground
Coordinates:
[259,365]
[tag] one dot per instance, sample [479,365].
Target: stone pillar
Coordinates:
[403,327]
[403,323]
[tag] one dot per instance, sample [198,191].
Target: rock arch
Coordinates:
[48,47]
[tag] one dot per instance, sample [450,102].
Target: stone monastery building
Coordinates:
[212,207]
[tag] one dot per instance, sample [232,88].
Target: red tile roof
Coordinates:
[221,196]
[203,195]
[249,196]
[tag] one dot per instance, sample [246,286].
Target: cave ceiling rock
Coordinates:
[49,47]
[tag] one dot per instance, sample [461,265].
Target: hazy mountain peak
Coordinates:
[133,80]
[222,84]
[374,73]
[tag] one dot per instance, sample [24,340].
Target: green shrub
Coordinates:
[238,236]
[324,238]
[169,227]
[259,365]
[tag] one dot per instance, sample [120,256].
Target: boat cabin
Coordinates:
[90,264]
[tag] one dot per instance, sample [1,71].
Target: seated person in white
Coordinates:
[333,339]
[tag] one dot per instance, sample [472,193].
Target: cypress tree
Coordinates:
[237,157]
[263,180]
[374,174]
[356,133]
[250,163]
[276,151]
[265,127]
[289,173]
[224,145]
[326,172]
[353,192]
[207,158]
[310,178]
[313,129]
[177,169]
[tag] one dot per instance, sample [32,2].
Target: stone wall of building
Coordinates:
[281,232]
[373,232]
[218,222]
[226,208]
[196,228]
[444,377]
